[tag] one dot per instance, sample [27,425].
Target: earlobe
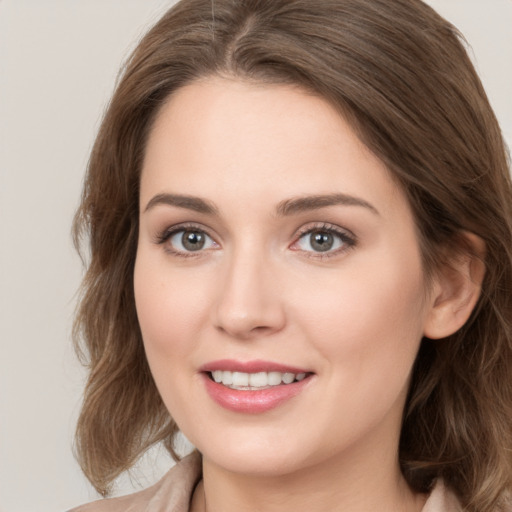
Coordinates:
[456,288]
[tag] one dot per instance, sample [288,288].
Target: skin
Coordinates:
[353,316]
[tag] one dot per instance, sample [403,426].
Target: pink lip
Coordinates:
[250,367]
[252,402]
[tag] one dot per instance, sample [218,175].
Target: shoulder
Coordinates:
[171,494]
[442,499]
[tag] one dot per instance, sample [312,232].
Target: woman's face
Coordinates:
[274,247]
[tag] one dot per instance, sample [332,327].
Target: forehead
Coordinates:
[267,141]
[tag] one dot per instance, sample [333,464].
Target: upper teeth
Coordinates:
[242,380]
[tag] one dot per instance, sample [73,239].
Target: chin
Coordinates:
[260,464]
[257,455]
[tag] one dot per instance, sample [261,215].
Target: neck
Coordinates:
[352,484]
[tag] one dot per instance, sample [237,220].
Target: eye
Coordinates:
[183,241]
[189,240]
[326,240]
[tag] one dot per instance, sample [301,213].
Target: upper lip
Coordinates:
[254,366]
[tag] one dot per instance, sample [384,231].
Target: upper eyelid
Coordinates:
[325,226]
[184,226]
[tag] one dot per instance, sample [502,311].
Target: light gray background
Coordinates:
[58,64]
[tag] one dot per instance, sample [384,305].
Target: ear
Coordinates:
[456,289]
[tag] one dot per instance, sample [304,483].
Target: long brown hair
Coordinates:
[400,75]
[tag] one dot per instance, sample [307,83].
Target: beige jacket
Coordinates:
[173,492]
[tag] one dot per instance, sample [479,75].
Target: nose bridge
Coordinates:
[248,302]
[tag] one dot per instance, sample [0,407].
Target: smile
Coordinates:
[253,386]
[254,381]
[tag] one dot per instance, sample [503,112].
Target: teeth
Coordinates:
[241,380]
[227,378]
[258,380]
[288,378]
[274,378]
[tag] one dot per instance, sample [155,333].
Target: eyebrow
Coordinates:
[284,208]
[195,204]
[316,202]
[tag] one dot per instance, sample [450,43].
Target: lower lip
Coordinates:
[253,402]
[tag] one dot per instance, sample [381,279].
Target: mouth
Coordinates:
[254,386]
[255,381]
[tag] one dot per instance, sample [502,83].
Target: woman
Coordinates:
[300,224]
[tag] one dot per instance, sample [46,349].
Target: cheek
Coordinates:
[168,308]
[367,319]
[367,328]
[168,304]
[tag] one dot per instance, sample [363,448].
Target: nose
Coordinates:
[249,303]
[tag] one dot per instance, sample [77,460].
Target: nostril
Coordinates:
[261,329]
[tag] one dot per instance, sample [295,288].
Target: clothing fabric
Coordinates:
[174,492]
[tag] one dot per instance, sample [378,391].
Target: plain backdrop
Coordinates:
[58,64]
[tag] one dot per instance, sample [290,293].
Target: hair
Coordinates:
[400,74]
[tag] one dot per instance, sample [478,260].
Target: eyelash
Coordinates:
[168,233]
[347,239]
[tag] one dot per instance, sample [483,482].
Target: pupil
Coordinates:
[192,240]
[321,241]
